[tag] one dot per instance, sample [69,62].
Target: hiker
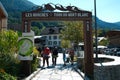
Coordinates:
[54,55]
[71,55]
[64,57]
[45,53]
[39,49]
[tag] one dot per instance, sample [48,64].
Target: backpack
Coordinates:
[55,52]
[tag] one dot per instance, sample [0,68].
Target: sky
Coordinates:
[106,10]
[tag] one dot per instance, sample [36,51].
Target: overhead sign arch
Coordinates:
[51,12]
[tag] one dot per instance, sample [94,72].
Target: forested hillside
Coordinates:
[15,7]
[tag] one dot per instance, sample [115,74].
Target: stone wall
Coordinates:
[108,70]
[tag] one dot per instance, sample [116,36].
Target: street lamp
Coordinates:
[96,41]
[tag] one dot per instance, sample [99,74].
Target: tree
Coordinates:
[73,32]
[36,30]
[104,42]
[65,44]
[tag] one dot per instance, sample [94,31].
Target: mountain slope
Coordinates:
[19,5]
[106,25]
[118,23]
[15,7]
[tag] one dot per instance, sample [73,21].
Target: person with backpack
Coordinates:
[46,53]
[54,55]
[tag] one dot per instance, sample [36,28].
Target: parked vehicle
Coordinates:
[107,51]
[118,53]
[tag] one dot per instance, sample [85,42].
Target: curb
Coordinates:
[79,72]
[33,74]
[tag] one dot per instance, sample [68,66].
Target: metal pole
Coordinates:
[96,41]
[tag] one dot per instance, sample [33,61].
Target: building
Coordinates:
[114,38]
[39,41]
[98,39]
[3,17]
[51,35]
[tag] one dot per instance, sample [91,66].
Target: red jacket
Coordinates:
[46,51]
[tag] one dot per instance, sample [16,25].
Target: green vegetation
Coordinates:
[8,47]
[73,32]
[9,64]
[36,30]
[101,33]
[8,42]
[35,60]
[6,76]
[37,27]
[65,44]
[104,42]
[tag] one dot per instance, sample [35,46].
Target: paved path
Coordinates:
[59,72]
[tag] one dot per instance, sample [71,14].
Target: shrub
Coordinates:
[34,63]
[8,48]
[35,59]
[10,64]
[6,76]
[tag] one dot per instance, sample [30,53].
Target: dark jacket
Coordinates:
[55,51]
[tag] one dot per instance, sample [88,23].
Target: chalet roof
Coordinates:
[55,7]
[3,12]
[51,30]
[113,33]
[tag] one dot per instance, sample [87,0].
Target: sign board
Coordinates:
[57,14]
[25,46]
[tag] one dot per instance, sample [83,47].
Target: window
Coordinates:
[49,37]
[54,37]
[59,42]
[49,42]
[55,42]
[51,31]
